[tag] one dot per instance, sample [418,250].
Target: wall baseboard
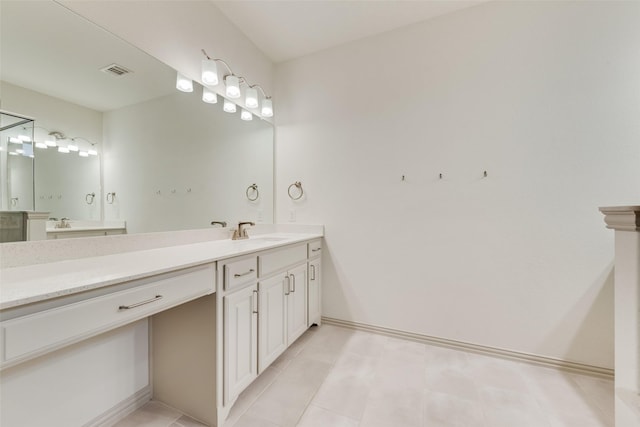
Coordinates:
[122,409]
[548,362]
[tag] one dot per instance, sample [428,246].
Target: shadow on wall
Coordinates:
[594,313]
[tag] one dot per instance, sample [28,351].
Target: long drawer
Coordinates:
[29,336]
[281,258]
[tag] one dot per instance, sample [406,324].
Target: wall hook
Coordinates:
[485,174]
[440,176]
[111,197]
[89,198]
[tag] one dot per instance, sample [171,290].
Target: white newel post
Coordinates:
[625,220]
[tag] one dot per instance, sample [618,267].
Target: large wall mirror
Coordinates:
[154,157]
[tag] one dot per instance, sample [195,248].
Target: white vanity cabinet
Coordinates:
[240,331]
[314,288]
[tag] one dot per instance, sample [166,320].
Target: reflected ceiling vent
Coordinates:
[116,70]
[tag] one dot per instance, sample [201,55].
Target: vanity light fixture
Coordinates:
[233,86]
[209,96]
[246,115]
[50,143]
[24,138]
[251,97]
[72,147]
[14,140]
[229,106]
[267,107]
[83,154]
[184,84]
[64,150]
[41,145]
[20,151]
[92,152]
[209,72]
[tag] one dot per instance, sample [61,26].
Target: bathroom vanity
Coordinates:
[209,317]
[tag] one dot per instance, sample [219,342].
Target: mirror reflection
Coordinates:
[165,159]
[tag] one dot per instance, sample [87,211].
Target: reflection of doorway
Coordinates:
[16,162]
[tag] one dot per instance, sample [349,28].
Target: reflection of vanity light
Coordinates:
[184,84]
[14,140]
[63,150]
[92,152]
[208,96]
[83,154]
[50,143]
[24,138]
[20,151]
[13,153]
[246,115]
[229,106]
[72,147]
[41,145]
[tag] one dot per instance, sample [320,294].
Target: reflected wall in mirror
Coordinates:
[16,163]
[172,161]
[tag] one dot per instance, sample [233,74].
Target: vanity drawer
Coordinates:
[315,248]
[239,272]
[31,335]
[280,259]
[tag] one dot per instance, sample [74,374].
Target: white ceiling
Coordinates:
[284,30]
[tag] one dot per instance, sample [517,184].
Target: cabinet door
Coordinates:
[272,316]
[240,341]
[314,294]
[297,303]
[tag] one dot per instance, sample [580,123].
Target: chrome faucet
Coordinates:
[241,232]
[220,223]
[64,223]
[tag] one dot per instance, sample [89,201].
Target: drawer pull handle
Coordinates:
[244,274]
[316,249]
[255,311]
[138,304]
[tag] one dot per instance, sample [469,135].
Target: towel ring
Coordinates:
[111,197]
[89,198]
[252,190]
[298,185]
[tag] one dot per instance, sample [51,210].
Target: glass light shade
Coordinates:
[233,87]
[93,152]
[209,72]
[24,138]
[63,150]
[50,143]
[41,145]
[267,108]
[184,84]
[72,147]
[229,106]
[246,115]
[208,96]
[83,154]
[251,98]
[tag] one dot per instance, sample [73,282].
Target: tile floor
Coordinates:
[337,377]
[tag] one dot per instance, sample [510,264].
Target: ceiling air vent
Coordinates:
[116,70]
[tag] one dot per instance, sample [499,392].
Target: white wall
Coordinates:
[61,180]
[545,97]
[176,163]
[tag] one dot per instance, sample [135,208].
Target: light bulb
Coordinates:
[208,96]
[233,86]
[83,154]
[229,106]
[246,115]
[92,152]
[41,145]
[251,98]
[209,72]
[184,84]
[63,150]
[72,147]
[267,108]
